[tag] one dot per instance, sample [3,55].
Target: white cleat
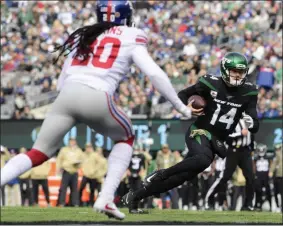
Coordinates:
[108,208]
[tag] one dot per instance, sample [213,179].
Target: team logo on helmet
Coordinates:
[241,66]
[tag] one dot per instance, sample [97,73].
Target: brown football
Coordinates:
[198,103]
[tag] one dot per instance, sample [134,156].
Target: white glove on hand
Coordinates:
[185,111]
[248,120]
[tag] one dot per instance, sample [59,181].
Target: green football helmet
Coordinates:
[237,63]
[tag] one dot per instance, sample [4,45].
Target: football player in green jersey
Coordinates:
[228,98]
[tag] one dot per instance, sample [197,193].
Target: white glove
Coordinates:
[248,120]
[185,111]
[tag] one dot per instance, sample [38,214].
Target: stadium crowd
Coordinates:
[186,38]
[85,185]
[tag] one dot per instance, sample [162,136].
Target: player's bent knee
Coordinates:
[129,141]
[37,157]
[204,161]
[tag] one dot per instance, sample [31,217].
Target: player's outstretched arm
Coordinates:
[158,78]
[186,93]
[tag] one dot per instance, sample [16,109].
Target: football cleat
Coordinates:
[128,200]
[108,208]
[138,211]
[247,208]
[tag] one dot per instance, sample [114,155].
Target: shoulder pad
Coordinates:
[250,89]
[251,85]
[209,81]
[212,77]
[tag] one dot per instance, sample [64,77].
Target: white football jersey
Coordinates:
[113,53]
[110,62]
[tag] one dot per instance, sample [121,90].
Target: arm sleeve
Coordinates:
[197,89]
[185,94]
[156,75]
[251,111]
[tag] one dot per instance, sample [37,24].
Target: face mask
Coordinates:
[235,82]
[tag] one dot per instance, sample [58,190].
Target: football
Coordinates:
[198,103]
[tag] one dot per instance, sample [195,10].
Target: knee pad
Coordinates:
[36,157]
[129,141]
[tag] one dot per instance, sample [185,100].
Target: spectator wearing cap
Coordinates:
[94,169]
[68,162]
[165,159]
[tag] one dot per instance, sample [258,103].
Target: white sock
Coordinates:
[15,167]
[118,162]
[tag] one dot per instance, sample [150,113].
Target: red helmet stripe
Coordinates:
[109,9]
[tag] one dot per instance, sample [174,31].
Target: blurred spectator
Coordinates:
[2,98]
[20,102]
[94,168]
[136,169]
[39,176]
[68,162]
[165,159]
[19,88]
[272,112]
[239,183]
[190,48]
[25,185]
[187,39]
[276,171]
[8,89]
[266,76]
[26,113]
[12,189]
[45,87]
[17,115]
[5,156]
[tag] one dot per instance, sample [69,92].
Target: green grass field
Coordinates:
[86,215]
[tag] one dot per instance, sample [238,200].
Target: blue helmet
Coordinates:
[118,12]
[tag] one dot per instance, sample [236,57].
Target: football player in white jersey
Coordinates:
[98,57]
